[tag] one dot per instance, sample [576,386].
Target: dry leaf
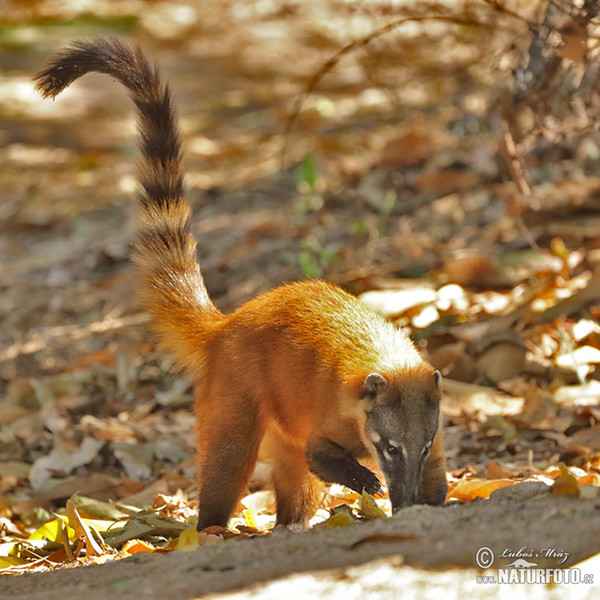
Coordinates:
[340,517]
[448,180]
[470,269]
[134,546]
[590,479]
[392,303]
[566,483]
[64,458]
[189,540]
[468,489]
[574,38]
[495,471]
[502,360]
[575,455]
[368,507]
[83,531]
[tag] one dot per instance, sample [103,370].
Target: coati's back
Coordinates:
[305,368]
[346,336]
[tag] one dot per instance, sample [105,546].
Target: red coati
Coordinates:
[304,371]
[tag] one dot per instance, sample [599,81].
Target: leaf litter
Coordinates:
[96,432]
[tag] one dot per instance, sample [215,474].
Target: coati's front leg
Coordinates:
[434,484]
[334,464]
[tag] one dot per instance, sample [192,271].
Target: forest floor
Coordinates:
[396,185]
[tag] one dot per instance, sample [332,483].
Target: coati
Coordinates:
[304,371]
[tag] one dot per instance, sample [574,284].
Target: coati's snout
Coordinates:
[402,424]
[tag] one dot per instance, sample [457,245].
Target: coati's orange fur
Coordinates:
[305,371]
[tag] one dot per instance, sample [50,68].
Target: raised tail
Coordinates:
[165,250]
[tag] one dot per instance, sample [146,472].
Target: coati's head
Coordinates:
[402,422]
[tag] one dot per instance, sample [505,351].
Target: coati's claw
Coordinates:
[368,481]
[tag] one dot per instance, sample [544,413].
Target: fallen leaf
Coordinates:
[471,269]
[495,471]
[97,485]
[83,531]
[134,546]
[502,360]
[584,355]
[574,37]
[575,455]
[64,458]
[368,507]
[586,394]
[188,541]
[467,489]
[565,484]
[249,518]
[392,303]
[590,479]
[341,517]
[9,413]
[448,180]
[135,458]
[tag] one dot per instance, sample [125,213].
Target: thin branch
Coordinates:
[364,41]
[359,43]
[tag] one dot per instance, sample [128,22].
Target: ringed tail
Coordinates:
[172,286]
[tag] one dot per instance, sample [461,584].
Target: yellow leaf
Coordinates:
[188,541]
[565,484]
[341,517]
[368,507]
[248,515]
[54,531]
[339,520]
[11,561]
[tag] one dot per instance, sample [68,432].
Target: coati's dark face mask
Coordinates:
[402,423]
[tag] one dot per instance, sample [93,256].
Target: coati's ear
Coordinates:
[437,377]
[375,384]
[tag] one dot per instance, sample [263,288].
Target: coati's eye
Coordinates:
[392,450]
[426,449]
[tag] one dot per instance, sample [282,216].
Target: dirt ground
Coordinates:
[422,547]
[391,167]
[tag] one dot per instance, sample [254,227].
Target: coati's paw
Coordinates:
[366,480]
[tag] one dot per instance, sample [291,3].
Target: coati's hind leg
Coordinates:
[227,444]
[434,484]
[298,492]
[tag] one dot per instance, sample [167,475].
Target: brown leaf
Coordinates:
[445,181]
[468,489]
[495,471]
[471,269]
[574,46]
[82,531]
[502,360]
[575,455]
